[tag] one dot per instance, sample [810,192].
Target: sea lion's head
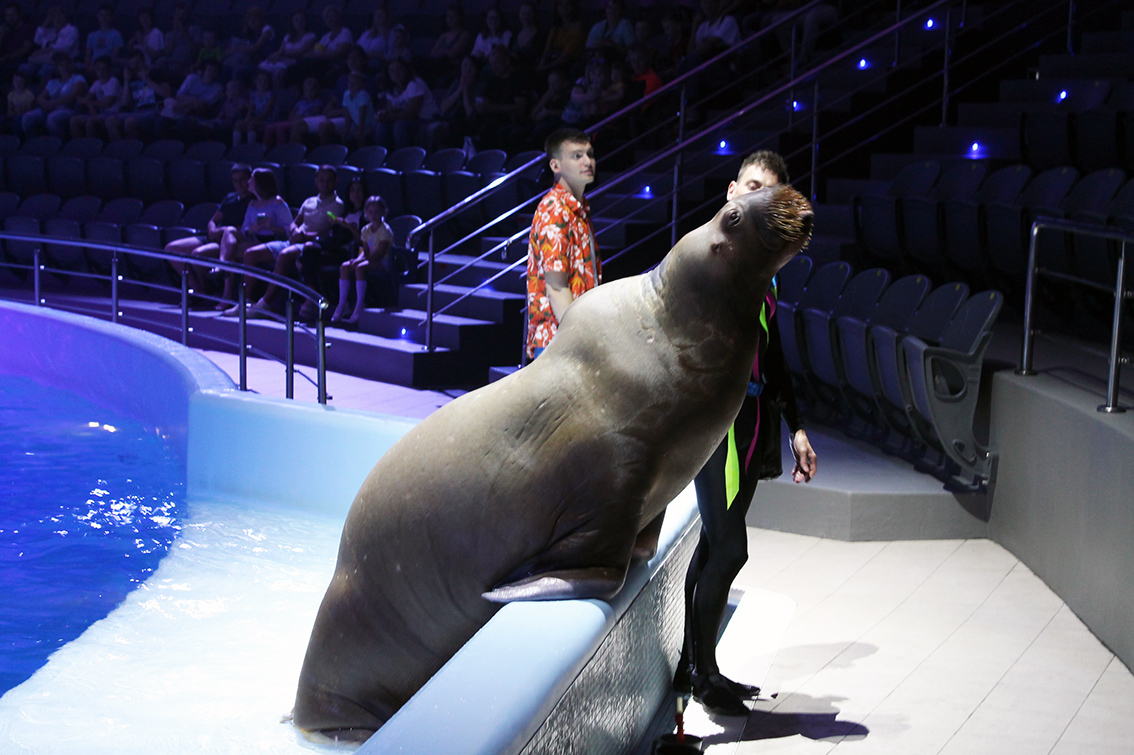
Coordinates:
[727,264]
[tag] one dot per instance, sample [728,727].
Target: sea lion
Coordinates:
[544,484]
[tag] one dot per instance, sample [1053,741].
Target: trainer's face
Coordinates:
[754,178]
[576,164]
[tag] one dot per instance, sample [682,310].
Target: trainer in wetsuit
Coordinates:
[725,485]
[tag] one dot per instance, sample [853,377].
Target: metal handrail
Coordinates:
[1118,289]
[114,277]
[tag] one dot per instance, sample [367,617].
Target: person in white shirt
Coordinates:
[494,34]
[102,97]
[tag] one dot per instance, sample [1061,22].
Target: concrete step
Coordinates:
[483,304]
[488,341]
[462,270]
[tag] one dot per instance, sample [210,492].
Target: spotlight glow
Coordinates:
[929,24]
[403,331]
[1062,96]
[724,144]
[863,64]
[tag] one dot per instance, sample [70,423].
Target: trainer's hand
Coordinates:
[806,465]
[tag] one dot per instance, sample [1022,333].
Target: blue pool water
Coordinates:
[89,504]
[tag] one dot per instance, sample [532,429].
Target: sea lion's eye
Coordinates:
[734,217]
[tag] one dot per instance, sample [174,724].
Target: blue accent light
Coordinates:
[929,24]
[863,64]
[796,106]
[403,332]
[1062,96]
[723,148]
[647,191]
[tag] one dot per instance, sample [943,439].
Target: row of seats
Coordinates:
[890,360]
[423,185]
[965,221]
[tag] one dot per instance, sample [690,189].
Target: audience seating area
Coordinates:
[896,363]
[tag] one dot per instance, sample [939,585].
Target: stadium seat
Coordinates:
[106,232]
[326,154]
[25,174]
[163,213]
[106,177]
[923,218]
[164,149]
[1095,258]
[964,227]
[66,176]
[123,149]
[218,179]
[1053,248]
[81,209]
[822,292]
[299,183]
[365,158]
[387,183]
[405,159]
[423,193]
[792,279]
[444,160]
[205,151]
[9,201]
[65,256]
[185,181]
[486,161]
[1006,225]
[121,211]
[281,154]
[405,260]
[41,146]
[22,252]
[145,178]
[877,217]
[246,153]
[84,147]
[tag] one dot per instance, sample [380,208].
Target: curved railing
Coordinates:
[39,266]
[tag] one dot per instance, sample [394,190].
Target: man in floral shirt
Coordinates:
[563,260]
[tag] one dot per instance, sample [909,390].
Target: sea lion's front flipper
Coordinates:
[646,545]
[595,582]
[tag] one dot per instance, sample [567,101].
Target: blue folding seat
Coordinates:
[185,179]
[326,154]
[25,174]
[857,300]
[1102,133]
[943,383]
[792,279]
[1047,139]
[281,154]
[65,256]
[1007,225]
[964,227]
[141,267]
[1095,258]
[145,178]
[9,201]
[822,292]
[299,183]
[1095,190]
[84,147]
[39,206]
[218,179]
[123,149]
[923,218]
[405,261]
[22,252]
[423,193]
[164,149]
[365,158]
[444,160]
[345,175]
[521,159]
[457,186]
[81,209]
[928,323]
[486,161]
[106,177]
[41,146]
[405,159]
[121,211]
[199,215]
[205,151]
[163,213]
[387,183]
[105,232]
[246,153]
[877,217]
[894,309]
[9,144]
[66,176]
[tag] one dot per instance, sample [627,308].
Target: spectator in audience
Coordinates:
[501,101]
[717,32]
[370,267]
[354,203]
[327,57]
[17,40]
[102,97]
[296,43]
[261,106]
[494,34]
[529,42]
[399,45]
[375,41]
[198,95]
[567,39]
[813,21]
[670,56]
[148,38]
[614,33]
[310,106]
[263,232]
[20,101]
[221,125]
[644,80]
[56,35]
[180,45]
[105,41]
[211,49]
[246,51]
[585,104]
[354,119]
[226,220]
[451,45]
[137,108]
[314,239]
[614,94]
[547,115]
[456,117]
[406,104]
[57,102]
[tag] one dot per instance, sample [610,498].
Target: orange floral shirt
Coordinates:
[562,240]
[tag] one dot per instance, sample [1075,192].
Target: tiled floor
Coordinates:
[909,647]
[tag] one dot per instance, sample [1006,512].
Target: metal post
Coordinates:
[1070,27]
[897,33]
[815,141]
[289,373]
[243,325]
[945,66]
[1029,305]
[114,286]
[321,355]
[1111,406]
[429,299]
[681,103]
[185,305]
[36,266]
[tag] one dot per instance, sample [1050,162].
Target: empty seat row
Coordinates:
[890,360]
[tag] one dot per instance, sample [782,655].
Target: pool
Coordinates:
[205,654]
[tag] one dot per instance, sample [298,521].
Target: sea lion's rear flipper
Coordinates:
[594,582]
[646,544]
